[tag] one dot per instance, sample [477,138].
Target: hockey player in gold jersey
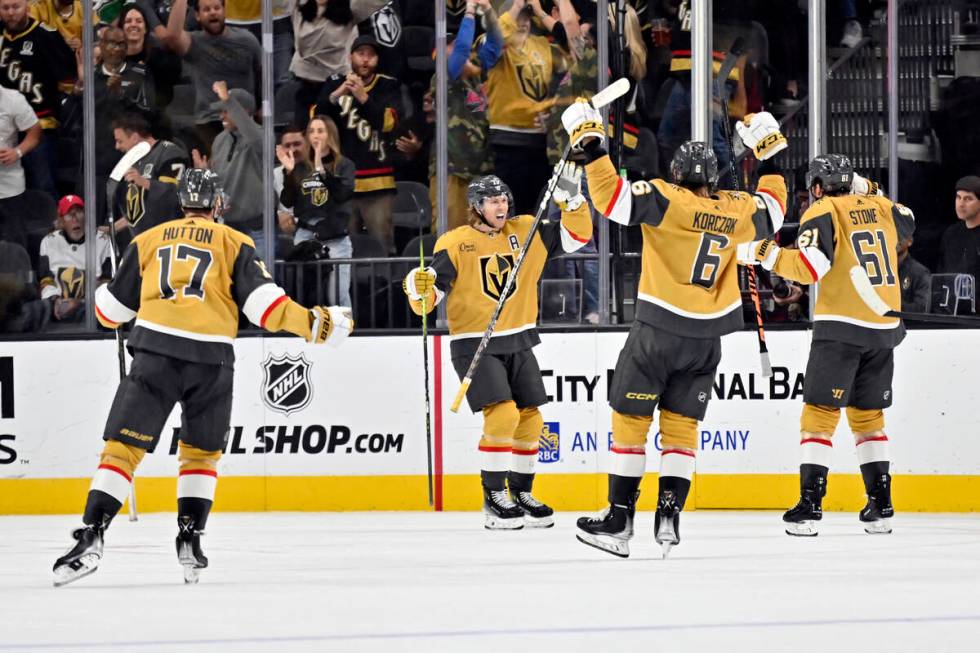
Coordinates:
[688,298]
[469,270]
[851,358]
[185,282]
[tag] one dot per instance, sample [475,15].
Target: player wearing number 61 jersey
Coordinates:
[688,298]
[851,358]
[185,282]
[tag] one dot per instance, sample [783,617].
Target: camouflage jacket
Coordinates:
[581,80]
[468,148]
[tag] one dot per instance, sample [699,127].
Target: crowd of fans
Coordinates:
[354,113]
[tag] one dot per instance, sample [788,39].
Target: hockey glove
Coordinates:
[330,324]
[758,252]
[862,186]
[419,283]
[568,190]
[582,122]
[760,133]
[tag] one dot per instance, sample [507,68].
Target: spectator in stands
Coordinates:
[217,53]
[21,308]
[237,158]
[467,132]
[960,248]
[247,14]
[62,15]
[324,31]
[142,49]
[519,89]
[916,280]
[148,195]
[292,139]
[157,14]
[119,89]
[61,263]
[318,187]
[366,106]
[385,25]
[37,62]
[16,116]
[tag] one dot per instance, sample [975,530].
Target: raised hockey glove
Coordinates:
[419,283]
[758,252]
[568,190]
[862,186]
[582,121]
[330,325]
[760,133]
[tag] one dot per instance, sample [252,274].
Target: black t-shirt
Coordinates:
[960,251]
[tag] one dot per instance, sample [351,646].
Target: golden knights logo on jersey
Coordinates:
[549,443]
[531,77]
[286,387]
[72,281]
[494,270]
[135,204]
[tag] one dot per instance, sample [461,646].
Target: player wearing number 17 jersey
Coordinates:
[851,358]
[185,282]
[688,298]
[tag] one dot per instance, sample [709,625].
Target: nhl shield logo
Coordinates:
[286,387]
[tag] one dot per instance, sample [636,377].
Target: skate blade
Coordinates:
[802,529]
[878,527]
[666,538]
[539,522]
[192,574]
[607,543]
[494,523]
[65,574]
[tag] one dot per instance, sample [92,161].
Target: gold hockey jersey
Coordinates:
[185,281]
[689,277]
[519,86]
[472,268]
[837,233]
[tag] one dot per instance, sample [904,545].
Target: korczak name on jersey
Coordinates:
[360,126]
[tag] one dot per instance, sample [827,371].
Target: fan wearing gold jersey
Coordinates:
[470,266]
[688,298]
[851,358]
[185,282]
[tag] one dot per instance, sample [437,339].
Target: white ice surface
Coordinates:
[440,582]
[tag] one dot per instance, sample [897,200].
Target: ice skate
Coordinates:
[500,511]
[536,514]
[801,520]
[189,552]
[877,514]
[609,531]
[84,557]
[666,525]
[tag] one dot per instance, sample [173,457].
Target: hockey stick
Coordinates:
[726,67]
[862,284]
[609,94]
[127,161]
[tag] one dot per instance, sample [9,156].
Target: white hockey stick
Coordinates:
[615,90]
[866,291]
[127,161]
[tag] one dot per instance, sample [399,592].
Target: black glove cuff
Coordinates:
[773,165]
[593,150]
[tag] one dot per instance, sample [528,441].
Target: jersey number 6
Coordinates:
[193,287]
[708,261]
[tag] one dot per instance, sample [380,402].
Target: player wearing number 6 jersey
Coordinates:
[185,282]
[851,359]
[688,298]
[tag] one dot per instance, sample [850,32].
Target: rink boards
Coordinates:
[344,429]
